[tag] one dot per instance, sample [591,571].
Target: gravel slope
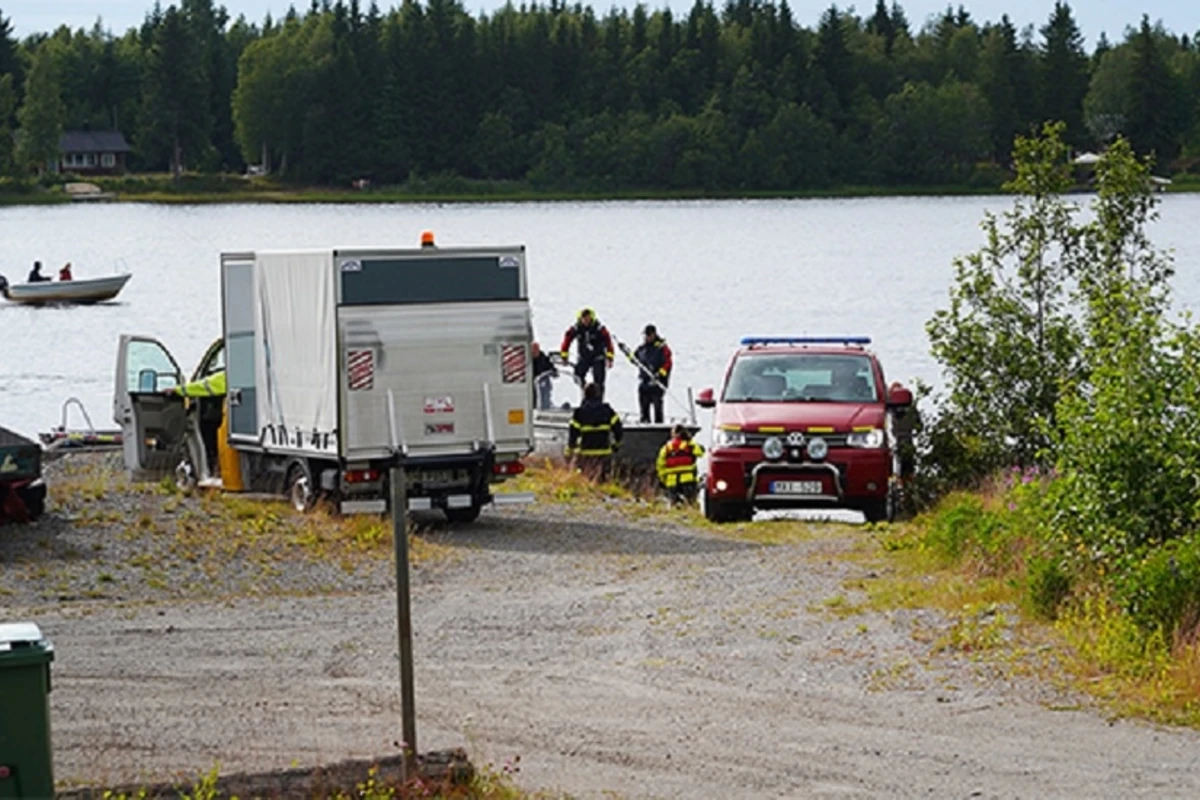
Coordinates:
[610,655]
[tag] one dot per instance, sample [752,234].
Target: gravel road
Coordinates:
[612,655]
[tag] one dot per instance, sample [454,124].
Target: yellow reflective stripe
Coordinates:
[605,452]
[731,427]
[770,429]
[615,419]
[820,429]
[575,424]
[593,428]
[863,428]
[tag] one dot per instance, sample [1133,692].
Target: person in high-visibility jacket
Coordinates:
[596,432]
[677,465]
[210,392]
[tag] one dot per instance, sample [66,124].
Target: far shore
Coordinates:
[202,189]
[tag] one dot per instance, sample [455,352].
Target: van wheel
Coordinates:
[468,514]
[717,511]
[299,487]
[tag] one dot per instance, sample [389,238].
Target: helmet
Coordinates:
[586,312]
[651,330]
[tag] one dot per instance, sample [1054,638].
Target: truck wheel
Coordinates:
[299,487]
[468,514]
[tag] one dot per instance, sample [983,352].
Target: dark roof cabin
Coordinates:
[92,152]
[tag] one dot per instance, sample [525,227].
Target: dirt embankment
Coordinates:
[608,653]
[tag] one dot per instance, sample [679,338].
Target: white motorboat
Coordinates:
[74,292]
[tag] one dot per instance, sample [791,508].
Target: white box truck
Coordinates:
[339,363]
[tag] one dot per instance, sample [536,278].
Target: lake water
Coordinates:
[705,272]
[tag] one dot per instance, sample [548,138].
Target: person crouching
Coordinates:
[677,466]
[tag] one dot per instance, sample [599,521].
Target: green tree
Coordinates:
[1128,447]
[934,135]
[8,107]
[1152,123]
[1107,104]
[10,61]
[1063,72]
[1008,341]
[997,83]
[41,115]
[174,120]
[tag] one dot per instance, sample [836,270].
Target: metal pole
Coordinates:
[399,505]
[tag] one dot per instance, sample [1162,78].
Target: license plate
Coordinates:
[436,477]
[796,487]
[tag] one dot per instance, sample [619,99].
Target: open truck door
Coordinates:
[153,424]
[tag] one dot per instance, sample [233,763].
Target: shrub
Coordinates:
[1047,585]
[1161,591]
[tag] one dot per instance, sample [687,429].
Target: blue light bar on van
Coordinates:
[750,341]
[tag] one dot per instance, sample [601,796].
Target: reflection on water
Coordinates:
[705,272]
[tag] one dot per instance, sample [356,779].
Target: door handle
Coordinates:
[235,397]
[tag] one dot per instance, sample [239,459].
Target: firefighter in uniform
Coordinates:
[595,348]
[677,466]
[655,356]
[595,433]
[210,393]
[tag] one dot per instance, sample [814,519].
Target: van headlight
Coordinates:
[818,448]
[870,439]
[772,448]
[724,438]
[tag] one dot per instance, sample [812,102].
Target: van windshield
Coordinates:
[790,377]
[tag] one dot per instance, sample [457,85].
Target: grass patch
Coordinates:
[973,558]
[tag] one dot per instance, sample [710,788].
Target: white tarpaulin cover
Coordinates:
[297,366]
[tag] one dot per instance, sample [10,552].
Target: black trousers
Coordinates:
[598,367]
[650,397]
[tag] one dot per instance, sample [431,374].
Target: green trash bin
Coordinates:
[26,768]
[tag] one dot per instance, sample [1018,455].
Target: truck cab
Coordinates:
[803,422]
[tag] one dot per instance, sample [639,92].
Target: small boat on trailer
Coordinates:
[84,291]
[639,445]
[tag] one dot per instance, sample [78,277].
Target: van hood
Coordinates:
[842,417]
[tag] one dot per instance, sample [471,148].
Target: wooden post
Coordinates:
[399,506]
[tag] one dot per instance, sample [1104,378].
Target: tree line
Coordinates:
[743,97]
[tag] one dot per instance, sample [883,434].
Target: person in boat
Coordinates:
[595,434]
[595,347]
[655,356]
[64,274]
[543,373]
[677,468]
[210,394]
[35,274]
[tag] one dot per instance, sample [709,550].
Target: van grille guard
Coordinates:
[807,466]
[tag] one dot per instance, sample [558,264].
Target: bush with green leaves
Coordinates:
[1009,339]
[1061,355]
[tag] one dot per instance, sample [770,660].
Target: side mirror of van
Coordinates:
[704,398]
[899,398]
